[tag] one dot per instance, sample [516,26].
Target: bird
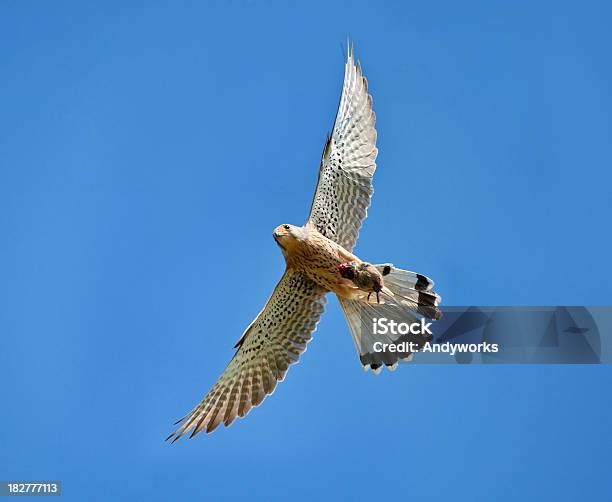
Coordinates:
[319,260]
[364,276]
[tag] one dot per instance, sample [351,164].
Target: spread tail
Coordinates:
[405,295]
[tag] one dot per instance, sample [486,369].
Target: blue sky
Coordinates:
[148,149]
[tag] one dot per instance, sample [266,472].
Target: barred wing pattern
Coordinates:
[273,341]
[344,187]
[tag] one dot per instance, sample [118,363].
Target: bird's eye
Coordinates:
[286,227]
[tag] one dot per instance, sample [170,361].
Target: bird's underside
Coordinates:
[319,260]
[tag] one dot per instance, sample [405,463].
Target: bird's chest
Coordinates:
[318,259]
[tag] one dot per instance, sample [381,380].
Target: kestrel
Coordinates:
[318,261]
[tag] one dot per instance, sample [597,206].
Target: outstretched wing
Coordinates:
[344,187]
[273,341]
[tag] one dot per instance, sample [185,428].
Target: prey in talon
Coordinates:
[365,276]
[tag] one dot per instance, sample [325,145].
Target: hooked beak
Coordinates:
[277,238]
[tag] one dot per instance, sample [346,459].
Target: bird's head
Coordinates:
[285,235]
[347,270]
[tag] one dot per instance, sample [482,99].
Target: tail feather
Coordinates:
[359,316]
[406,294]
[406,277]
[411,290]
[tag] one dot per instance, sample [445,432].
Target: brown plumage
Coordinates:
[365,276]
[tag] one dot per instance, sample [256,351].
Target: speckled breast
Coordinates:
[319,258]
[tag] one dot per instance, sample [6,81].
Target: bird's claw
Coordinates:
[377,296]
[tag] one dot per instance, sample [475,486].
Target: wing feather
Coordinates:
[344,187]
[273,341]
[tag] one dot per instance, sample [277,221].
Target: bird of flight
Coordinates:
[318,261]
